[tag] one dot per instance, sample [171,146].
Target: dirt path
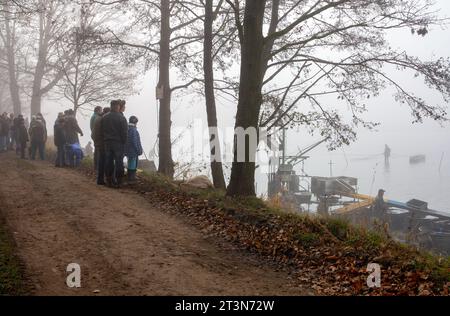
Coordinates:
[123,245]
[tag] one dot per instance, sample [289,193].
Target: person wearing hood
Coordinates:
[72,128]
[379,206]
[133,149]
[40,117]
[38,138]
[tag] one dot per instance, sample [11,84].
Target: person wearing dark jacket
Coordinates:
[60,141]
[38,137]
[114,128]
[99,145]
[98,111]
[133,149]
[4,132]
[11,137]
[16,124]
[21,136]
[72,128]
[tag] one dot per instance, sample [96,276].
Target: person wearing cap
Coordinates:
[133,149]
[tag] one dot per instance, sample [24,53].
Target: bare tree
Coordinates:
[93,75]
[53,22]
[9,38]
[329,48]
[210,100]
[13,8]
[170,21]
[5,99]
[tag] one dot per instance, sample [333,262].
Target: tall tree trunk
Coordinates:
[165,145]
[216,166]
[39,71]
[36,95]
[242,180]
[13,84]
[10,51]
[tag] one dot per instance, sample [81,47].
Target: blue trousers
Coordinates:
[72,158]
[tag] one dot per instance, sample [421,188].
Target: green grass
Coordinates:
[340,228]
[87,162]
[11,272]
[307,239]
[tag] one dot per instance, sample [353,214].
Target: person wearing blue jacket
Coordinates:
[75,155]
[133,149]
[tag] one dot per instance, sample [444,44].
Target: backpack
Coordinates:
[38,132]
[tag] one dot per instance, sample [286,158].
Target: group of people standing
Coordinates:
[66,133]
[16,133]
[114,138]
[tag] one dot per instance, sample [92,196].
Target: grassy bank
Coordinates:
[333,250]
[329,254]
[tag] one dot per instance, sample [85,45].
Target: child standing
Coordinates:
[75,155]
[133,149]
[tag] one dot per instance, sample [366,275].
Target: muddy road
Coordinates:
[123,244]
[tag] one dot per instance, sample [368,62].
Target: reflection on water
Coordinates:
[428,181]
[387,167]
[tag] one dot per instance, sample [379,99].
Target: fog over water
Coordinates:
[401,180]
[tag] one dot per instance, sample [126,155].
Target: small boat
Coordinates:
[417,159]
